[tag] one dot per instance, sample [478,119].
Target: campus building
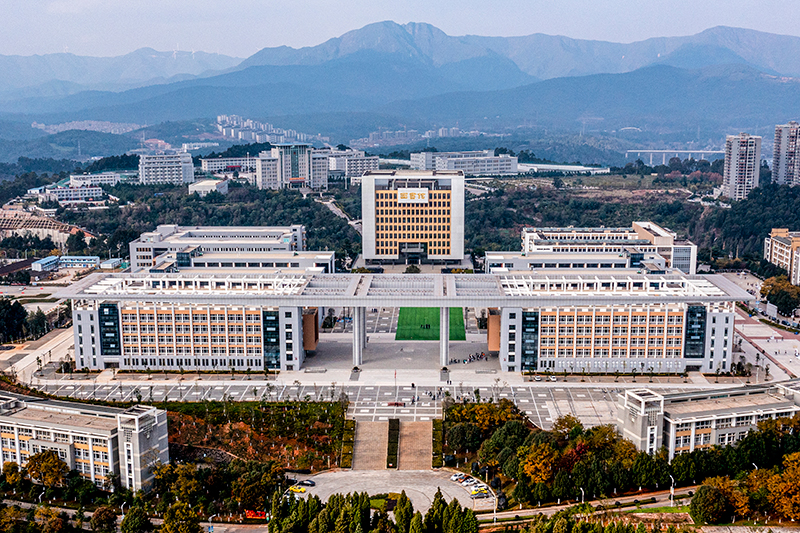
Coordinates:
[54,262]
[193,258]
[292,166]
[686,421]
[411,216]
[597,322]
[233,239]
[742,165]
[103,178]
[206,186]
[568,247]
[174,168]
[229,164]
[97,441]
[782,248]
[351,163]
[786,154]
[630,258]
[473,163]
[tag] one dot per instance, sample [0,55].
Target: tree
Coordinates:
[12,472]
[10,517]
[12,319]
[46,468]
[104,520]
[538,462]
[37,323]
[412,269]
[180,518]
[784,488]
[76,242]
[709,506]
[136,521]
[416,523]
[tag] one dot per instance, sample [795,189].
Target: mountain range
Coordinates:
[416,75]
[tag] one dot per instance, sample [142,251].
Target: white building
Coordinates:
[206,186]
[104,178]
[72,195]
[195,259]
[170,168]
[594,322]
[97,441]
[229,164]
[641,240]
[786,154]
[174,238]
[412,216]
[472,163]
[353,163]
[742,165]
[292,166]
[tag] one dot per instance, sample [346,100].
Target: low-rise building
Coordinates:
[645,237]
[206,186]
[472,163]
[174,238]
[72,195]
[686,421]
[104,178]
[54,262]
[99,442]
[630,258]
[193,258]
[229,164]
[782,248]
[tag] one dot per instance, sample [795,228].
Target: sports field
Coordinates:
[411,324]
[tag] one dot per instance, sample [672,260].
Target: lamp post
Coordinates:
[672,491]
[122,509]
[583,495]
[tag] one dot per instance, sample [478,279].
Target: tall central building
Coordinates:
[292,166]
[742,165]
[411,216]
[786,154]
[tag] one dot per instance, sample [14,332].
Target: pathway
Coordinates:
[416,448]
[371,444]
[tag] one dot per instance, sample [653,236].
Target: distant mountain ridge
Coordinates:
[546,56]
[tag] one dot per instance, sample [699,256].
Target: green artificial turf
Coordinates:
[411,318]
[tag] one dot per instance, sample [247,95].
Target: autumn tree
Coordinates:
[784,488]
[12,472]
[104,520]
[538,461]
[736,497]
[180,518]
[709,506]
[46,468]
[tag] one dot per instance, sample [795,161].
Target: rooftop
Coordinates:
[728,405]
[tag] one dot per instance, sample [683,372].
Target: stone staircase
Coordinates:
[369,447]
[415,446]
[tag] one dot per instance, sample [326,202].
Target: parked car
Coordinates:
[457,477]
[297,489]
[537,378]
[553,378]
[307,483]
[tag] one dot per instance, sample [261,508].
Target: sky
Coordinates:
[242,27]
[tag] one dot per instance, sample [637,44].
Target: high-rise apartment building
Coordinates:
[170,168]
[786,154]
[413,216]
[292,166]
[742,165]
[782,248]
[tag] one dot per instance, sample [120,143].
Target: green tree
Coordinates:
[12,320]
[180,518]
[104,520]
[136,521]
[76,242]
[403,512]
[37,323]
[416,523]
[709,506]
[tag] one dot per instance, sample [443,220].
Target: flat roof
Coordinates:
[590,288]
[743,403]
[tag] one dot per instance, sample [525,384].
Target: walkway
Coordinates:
[370,447]
[416,448]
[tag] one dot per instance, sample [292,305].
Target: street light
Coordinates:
[672,491]
[583,494]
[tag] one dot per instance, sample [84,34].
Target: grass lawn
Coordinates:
[676,509]
[411,318]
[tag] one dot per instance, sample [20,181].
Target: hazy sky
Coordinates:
[241,27]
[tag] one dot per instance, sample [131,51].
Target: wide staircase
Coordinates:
[415,446]
[369,447]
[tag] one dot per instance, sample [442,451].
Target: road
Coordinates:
[339,213]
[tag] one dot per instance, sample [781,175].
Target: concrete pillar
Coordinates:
[358,338]
[444,335]
[363,327]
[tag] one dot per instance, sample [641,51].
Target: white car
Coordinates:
[470,482]
[456,477]
[553,378]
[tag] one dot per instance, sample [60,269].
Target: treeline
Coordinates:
[25,165]
[780,292]
[237,150]
[351,514]
[556,464]
[114,162]
[675,164]
[742,228]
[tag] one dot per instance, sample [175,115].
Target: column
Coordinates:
[358,337]
[363,327]
[444,335]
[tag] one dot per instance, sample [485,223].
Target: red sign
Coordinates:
[261,515]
